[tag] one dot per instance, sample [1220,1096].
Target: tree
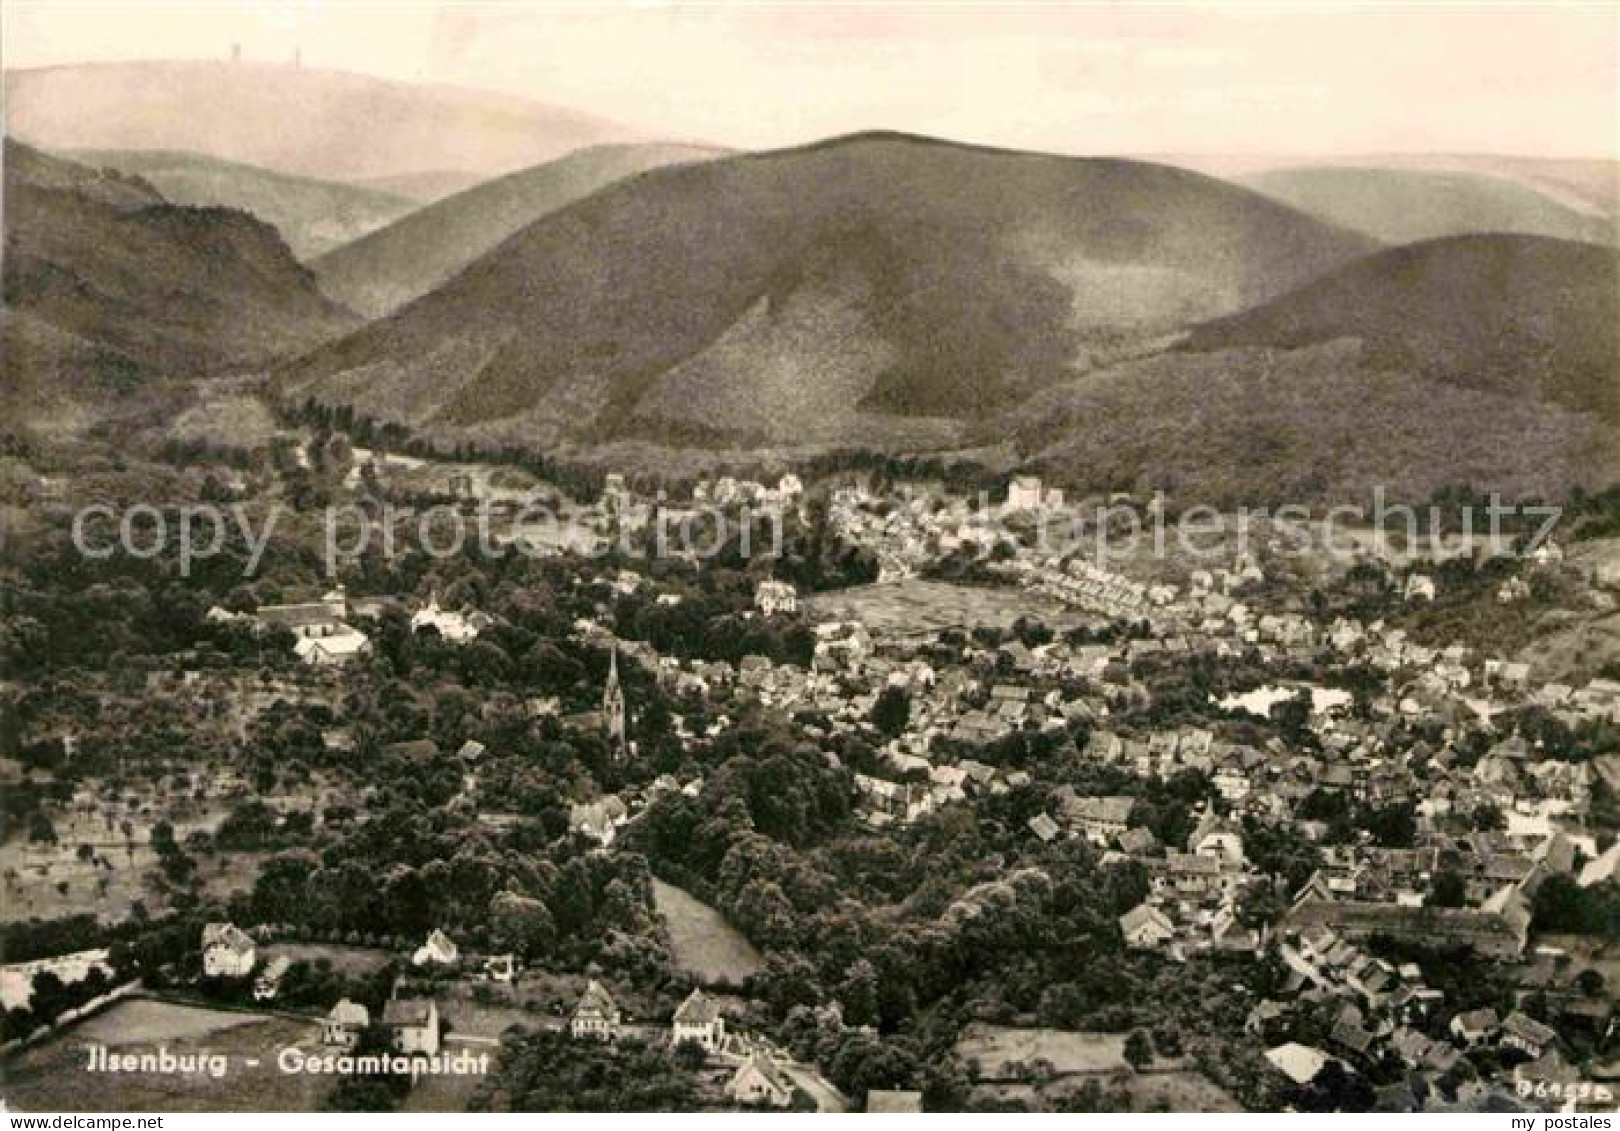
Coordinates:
[1292,717]
[892,711]
[1561,905]
[1450,889]
[1138,1050]
[1489,818]
[1393,826]
[1261,904]
[521,925]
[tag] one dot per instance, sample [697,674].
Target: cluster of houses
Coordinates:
[699,1021]
[412,1025]
[911,529]
[1366,1012]
[324,637]
[1082,584]
[456,626]
[1364,751]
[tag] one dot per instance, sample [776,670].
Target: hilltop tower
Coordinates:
[613,708]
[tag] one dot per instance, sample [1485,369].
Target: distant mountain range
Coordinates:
[872,289]
[1588,186]
[312,216]
[386,269]
[533,278]
[1515,315]
[108,288]
[1407,205]
[330,125]
[424,187]
[1487,361]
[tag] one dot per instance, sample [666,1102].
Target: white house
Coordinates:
[774,597]
[1219,839]
[439,950]
[596,1017]
[1025,493]
[1300,1063]
[344,1024]
[760,1083]
[1475,1027]
[1420,587]
[451,624]
[268,983]
[600,819]
[337,647]
[1145,928]
[698,1018]
[228,952]
[321,636]
[413,1025]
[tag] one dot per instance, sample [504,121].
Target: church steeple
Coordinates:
[613,708]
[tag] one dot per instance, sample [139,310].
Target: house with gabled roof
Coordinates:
[1145,927]
[439,950]
[1525,1033]
[1101,819]
[699,1019]
[413,1025]
[344,1024]
[1218,838]
[1475,1027]
[596,1017]
[1044,827]
[759,1082]
[228,952]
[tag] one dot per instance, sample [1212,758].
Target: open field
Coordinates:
[17,980]
[102,855]
[1152,1091]
[1573,649]
[918,606]
[1180,1091]
[704,944]
[54,1076]
[995,1052]
[478,1023]
[351,961]
[230,416]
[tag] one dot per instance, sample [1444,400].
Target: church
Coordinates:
[613,710]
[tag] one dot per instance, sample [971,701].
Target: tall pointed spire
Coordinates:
[613,706]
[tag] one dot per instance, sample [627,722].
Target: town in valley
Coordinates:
[892,816]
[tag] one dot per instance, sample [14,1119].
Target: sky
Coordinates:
[1145,78]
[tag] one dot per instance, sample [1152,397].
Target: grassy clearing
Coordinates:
[704,945]
[997,1051]
[240,419]
[54,1076]
[1180,1091]
[352,961]
[916,605]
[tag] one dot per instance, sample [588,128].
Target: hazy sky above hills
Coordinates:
[1308,78]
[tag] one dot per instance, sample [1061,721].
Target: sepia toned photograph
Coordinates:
[784,557]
